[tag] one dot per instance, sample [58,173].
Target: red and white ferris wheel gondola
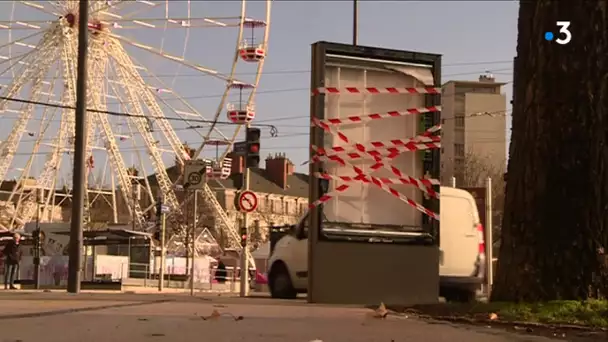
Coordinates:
[241,112]
[250,49]
[221,171]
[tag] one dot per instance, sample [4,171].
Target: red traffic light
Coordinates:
[255,148]
[244,237]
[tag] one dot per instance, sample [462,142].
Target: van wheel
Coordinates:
[280,283]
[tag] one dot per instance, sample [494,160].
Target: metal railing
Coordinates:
[143,275]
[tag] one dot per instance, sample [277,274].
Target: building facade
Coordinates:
[473,127]
[282,194]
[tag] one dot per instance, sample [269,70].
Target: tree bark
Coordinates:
[556,205]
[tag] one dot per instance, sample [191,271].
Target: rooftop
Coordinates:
[259,181]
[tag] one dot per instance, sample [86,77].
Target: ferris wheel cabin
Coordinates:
[243,111]
[250,49]
[221,170]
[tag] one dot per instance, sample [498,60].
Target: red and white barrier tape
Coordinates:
[326,197]
[375,116]
[374,90]
[378,183]
[378,155]
[422,184]
[329,129]
[379,144]
[404,198]
[394,147]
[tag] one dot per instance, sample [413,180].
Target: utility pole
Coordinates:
[193,242]
[489,239]
[37,237]
[134,188]
[163,253]
[244,261]
[78,181]
[252,159]
[355,22]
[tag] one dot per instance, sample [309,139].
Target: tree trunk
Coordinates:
[556,204]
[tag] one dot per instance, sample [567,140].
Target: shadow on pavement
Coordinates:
[78,310]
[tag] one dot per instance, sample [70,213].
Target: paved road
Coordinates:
[59,317]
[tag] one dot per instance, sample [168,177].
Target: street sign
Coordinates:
[248,201]
[164,209]
[240,147]
[195,172]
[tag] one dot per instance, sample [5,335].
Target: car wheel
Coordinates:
[280,283]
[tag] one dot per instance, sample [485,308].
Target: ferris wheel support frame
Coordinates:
[164,182]
[47,176]
[9,145]
[155,111]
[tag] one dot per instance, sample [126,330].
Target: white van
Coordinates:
[461,243]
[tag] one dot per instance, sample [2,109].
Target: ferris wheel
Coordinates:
[142,107]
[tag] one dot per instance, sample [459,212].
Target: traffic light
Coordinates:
[252,154]
[243,236]
[156,235]
[36,237]
[159,207]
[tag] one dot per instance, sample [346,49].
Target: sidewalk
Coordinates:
[61,317]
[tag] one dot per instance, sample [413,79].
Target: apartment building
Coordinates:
[473,127]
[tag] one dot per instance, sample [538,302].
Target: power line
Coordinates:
[280,72]
[124,114]
[271,91]
[112,113]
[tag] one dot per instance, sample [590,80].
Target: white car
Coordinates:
[461,243]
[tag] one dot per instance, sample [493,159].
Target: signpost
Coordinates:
[247,201]
[240,148]
[195,172]
[164,210]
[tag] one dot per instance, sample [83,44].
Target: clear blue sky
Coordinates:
[472,32]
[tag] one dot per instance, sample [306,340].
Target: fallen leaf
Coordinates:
[216,314]
[381,312]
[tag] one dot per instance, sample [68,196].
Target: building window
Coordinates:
[459,150]
[459,121]
[287,212]
[459,166]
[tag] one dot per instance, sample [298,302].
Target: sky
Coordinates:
[474,32]
[473,37]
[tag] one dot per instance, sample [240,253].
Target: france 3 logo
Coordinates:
[564,34]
